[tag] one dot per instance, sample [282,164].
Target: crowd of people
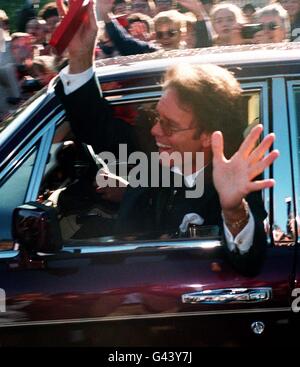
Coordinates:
[128,27]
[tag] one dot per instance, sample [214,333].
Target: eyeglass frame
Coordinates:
[169,131]
[171,33]
[270,26]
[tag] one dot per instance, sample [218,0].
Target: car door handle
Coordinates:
[228,295]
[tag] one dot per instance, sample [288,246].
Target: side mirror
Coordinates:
[35,228]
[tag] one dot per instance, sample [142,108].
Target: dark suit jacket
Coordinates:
[143,209]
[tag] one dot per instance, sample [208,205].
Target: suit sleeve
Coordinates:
[204,34]
[92,120]
[125,43]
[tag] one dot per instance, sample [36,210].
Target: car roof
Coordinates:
[245,56]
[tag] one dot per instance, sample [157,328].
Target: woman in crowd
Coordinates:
[227,20]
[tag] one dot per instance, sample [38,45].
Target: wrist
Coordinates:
[237,217]
[80,62]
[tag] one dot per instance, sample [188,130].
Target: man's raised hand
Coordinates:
[234,178]
[81,48]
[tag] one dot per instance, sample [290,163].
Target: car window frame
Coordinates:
[42,140]
[281,126]
[294,137]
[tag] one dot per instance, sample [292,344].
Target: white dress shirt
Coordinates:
[243,240]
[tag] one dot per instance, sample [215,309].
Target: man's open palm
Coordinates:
[234,178]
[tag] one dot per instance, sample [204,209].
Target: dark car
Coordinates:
[60,285]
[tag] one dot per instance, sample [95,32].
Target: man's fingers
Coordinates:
[250,141]
[260,166]
[261,185]
[92,15]
[263,147]
[217,145]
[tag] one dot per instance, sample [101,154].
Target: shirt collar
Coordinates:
[189,180]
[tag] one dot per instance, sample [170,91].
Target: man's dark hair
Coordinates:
[214,96]
[140,17]
[48,11]
[248,7]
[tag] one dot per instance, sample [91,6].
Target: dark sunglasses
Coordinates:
[169,34]
[271,26]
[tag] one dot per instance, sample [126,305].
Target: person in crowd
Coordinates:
[164,5]
[4,21]
[15,71]
[249,12]
[199,111]
[140,26]
[275,24]
[142,6]
[168,27]
[50,14]
[128,45]
[227,21]
[105,47]
[21,49]
[168,31]
[27,12]
[10,94]
[42,70]
[37,28]
[5,54]
[120,7]
[208,5]
[199,29]
[293,9]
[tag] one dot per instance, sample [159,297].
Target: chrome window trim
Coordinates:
[294,138]
[262,87]
[39,166]
[26,148]
[12,153]
[17,160]
[163,245]
[146,316]
[245,80]
[23,116]
[45,137]
[282,143]
[48,131]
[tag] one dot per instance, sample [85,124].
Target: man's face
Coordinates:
[168,36]
[52,24]
[21,49]
[139,30]
[272,32]
[224,22]
[291,6]
[173,116]
[37,31]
